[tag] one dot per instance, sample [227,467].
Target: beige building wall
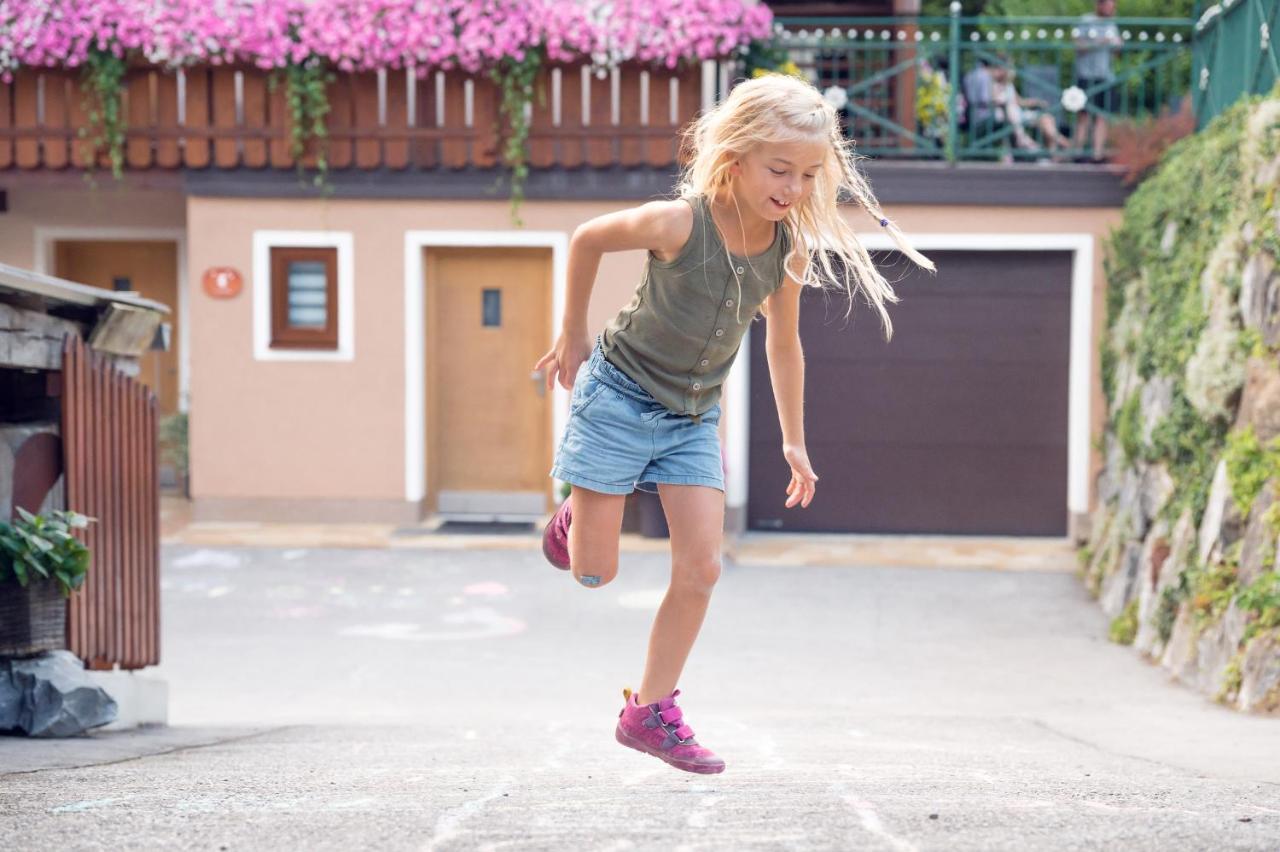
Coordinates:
[67,203]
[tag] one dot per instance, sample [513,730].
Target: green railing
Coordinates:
[1235,54]
[896,74]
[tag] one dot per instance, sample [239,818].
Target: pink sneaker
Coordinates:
[555,536]
[659,729]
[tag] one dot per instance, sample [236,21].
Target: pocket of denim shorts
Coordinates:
[585,392]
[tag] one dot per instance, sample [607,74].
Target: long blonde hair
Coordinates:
[781,108]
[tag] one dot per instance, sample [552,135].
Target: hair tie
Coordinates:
[884,223]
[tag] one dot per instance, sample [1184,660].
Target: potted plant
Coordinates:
[48,562]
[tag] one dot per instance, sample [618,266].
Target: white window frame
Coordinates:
[263,243]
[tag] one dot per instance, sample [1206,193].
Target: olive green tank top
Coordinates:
[679,334]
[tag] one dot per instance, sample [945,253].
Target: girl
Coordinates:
[757,203]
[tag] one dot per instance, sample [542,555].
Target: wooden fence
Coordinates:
[109,461]
[228,117]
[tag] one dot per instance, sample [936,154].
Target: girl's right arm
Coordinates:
[659,226]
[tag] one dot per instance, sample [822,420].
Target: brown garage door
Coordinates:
[958,425]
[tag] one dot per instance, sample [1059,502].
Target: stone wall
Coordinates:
[1182,546]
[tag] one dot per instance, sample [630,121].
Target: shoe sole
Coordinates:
[545,553]
[688,766]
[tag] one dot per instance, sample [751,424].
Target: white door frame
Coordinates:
[415,348]
[737,438]
[47,235]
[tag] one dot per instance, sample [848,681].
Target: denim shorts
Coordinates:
[619,437]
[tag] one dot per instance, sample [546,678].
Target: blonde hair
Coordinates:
[778,108]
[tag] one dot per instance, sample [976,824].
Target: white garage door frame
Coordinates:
[738,425]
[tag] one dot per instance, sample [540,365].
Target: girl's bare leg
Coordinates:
[695,516]
[593,536]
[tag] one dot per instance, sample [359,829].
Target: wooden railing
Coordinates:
[228,117]
[109,461]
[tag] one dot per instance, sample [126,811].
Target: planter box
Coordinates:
[32,619]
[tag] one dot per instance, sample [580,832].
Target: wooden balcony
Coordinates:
[228,117]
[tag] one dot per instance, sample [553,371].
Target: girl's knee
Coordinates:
[698,575]
[593,577]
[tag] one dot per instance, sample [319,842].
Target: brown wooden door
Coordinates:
[151,268]
[958,425]
[488,421]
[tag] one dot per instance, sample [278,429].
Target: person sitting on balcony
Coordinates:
[977,96]
[1099,38]
[1009,109]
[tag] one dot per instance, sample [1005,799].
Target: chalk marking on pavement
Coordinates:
[448,823]
[86,805]
[488,623]
[871,822]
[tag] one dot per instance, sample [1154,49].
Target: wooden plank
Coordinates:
[364,92]
[78,121]
[630,148]
[281,123]
[71,484]
[56,150]
[485,125]
[255,116]
[396,148]
[339,122]
[226,154]
[196,148]
[6,122]
[425,153]
[128,485]
[137,110]
[600,142]
[453,150]
[25,106]
[542,144]
[659,149]
[151,592]
[572,152]
[168,154]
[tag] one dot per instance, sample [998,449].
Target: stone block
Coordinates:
[51,695]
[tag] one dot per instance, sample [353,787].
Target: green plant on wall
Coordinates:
[1250,465]
[515,77]
[44,548]
[1124,628]
[307,95]
[102,78]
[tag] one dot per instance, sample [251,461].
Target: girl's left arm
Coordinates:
[786,372]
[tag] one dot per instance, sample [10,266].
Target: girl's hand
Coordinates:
[564,359]
[803,479]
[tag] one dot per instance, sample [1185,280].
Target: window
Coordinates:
[304,298]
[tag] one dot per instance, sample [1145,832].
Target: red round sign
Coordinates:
[222,282]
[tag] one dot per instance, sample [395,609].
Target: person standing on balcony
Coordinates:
[755,222]
[1099,38]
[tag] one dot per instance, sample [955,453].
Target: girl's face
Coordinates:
[774,177]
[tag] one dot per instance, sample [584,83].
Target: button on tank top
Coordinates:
[679,334]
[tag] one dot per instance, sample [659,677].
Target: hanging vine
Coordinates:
[102,77]
[306,92]
[515,79]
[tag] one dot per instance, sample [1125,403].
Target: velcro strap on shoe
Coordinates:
[684,732]
[672,715]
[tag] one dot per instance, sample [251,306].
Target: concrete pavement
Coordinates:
[464,698]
